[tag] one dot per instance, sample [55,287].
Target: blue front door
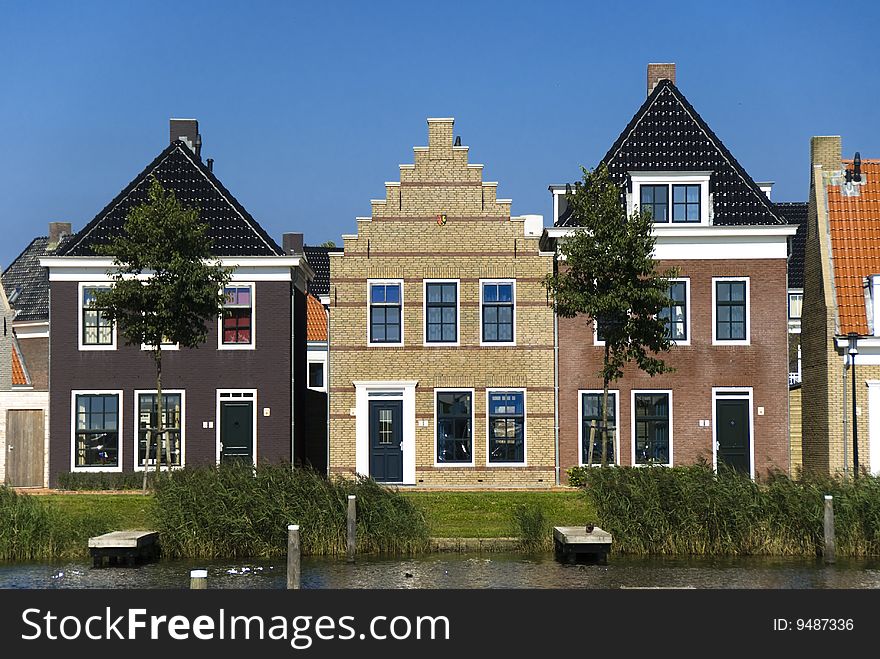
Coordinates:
[386,437]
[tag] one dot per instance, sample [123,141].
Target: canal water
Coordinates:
[489,570]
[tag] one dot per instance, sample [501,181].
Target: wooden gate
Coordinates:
[25,437]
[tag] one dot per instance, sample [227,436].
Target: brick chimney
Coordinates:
[826,150]
[57,231]
[187,130]
[292,243]
[658,72]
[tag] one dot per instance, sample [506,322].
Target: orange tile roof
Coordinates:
[19,377]
[854,223]
[316,319]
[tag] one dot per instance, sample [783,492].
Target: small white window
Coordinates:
[730,311]
[96,331]
[497,312]
[671,198]
[385,312]
[237,320]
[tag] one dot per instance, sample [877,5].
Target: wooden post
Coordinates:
[829,529]
[351,545]
[198,579]
[293,557]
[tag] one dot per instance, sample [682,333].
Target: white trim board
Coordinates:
[406,391]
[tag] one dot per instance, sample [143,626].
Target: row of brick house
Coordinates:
[425,350]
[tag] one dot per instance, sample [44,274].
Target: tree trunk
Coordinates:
[592,443]
[604,428]
[160,427]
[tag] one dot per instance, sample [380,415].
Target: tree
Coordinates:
[328,243]
[608,275]
[166,286]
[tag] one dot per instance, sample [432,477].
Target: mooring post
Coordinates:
[351,546]
[293,557]
[198,579]
[829,529]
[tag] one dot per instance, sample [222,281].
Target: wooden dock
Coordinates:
[573,544]
[124,547]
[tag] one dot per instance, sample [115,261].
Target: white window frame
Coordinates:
[79,323]
[497,390]
[580,406]
[687,301]
[235,394]
[137,416]
[738,342]
[596,341]
[384,344]
[322,360]
[240,346]
[454,465]
[632,414]
[799,294]
[441,344]
[730,393]
[513,309]
[638,179]
[119,426]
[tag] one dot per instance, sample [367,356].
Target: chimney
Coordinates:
[825,150]
[187,130]
[658,72]
[292,243]
[57,231]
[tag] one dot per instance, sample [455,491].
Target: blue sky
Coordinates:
[307,108]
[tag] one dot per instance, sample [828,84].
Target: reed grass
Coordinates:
[693,510]
[235,511]
[532,527]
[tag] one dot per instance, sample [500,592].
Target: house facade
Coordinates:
[441,336]
[840,332]
[727,400]
[240,396]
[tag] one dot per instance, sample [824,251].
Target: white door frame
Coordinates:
[404,390]
[238,394]
[874,426]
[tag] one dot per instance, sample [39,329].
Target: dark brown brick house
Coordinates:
[727,400]
[239,396]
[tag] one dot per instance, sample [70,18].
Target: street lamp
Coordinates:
[853,351]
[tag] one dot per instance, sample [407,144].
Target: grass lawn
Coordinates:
[121,512]
[488,514]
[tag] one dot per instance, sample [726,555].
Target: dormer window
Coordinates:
[676,198]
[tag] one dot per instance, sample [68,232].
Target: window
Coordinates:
[95,328]
[454,427]
[675,313]
[497,310]
[731,310]
[591,427]
[385,313]
[441,312]
[316,375]
[506,427]
[795,303]
[655,201]
[686,203]
[148,424]
[238,316]
[96,430]
[652,423]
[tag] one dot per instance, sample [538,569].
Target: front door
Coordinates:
[732,433]
[25,441]
[386,437]
[237,431]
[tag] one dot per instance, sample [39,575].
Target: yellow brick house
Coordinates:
[441,335]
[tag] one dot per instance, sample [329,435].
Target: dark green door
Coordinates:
[236,431]
[732,433]
[386,437]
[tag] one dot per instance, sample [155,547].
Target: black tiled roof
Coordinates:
[32,281]
[667,134]
[795,212]
[233,231]
[319,259]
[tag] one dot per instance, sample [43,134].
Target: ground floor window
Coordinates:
[96,437]
[652,427]
[148,426]
[591,427]
[506,426]
[454,426]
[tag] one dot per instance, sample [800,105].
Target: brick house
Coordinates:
[841,280]
[727,401]
[441,359]
[238,397]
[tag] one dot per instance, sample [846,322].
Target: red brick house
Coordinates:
[727,400]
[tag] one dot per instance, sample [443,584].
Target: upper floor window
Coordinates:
[96,330]
[671,197]
[497,302]
[731,310]
[441,312]
[655,201]
[238,316]
[675,313]
[316,375]
[386,317]
[795,304]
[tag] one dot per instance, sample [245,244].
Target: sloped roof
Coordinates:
[31,281]
[233,231]
[316,319]
[19,373]
[319,259]
[854,225]
[667,134]
[795,212]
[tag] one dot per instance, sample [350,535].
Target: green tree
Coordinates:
[166,286]
[328,243]
[608,275]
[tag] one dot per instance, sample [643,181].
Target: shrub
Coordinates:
[532,527]
[103,480]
